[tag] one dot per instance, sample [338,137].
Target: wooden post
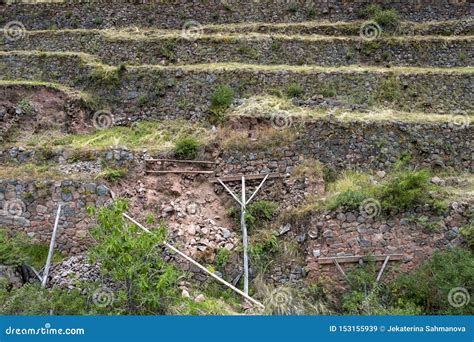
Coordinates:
[245,239]
[204,269]
[51,249]
[243,207]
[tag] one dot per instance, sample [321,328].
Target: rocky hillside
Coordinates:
[360,116]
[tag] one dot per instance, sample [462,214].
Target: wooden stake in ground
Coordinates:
[51,249]
[243,207]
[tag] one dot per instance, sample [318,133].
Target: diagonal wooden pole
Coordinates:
[204,269]
[229,191]
[258,188]
[51,249]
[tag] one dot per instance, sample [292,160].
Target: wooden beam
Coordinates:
[235,178]
[182,161]
[356,258]
[181,171]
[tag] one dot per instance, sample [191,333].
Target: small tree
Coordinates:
[131,258]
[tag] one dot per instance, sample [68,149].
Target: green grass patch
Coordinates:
[151,135]
[113,174]
[388,19]
[18,248]
[294,90]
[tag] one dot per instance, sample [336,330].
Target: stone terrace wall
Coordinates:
[342,145]
[164,89]
[363,145]
[275,50]
[340,234]
[30,207]
[174,14]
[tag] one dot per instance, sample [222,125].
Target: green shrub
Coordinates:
[186,148]
[467,233]
[222,98]
[259,212]
[367,297]
[294,90]
[222,257]
[16,249]
[105,76]
[348,200]
[26,106]
[328,91]
[388,19]
[262,252]
[429,286]
[113,174]
[131,257]
[407,190]
[32,300]
[11,252]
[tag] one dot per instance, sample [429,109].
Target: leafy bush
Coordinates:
[222,257]
[131,257]
[367,297]
[294,90]
[222,98]
[186,148]
[430,285]
[105,76]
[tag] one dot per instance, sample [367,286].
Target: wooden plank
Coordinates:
[356,258]
[182,161]
[235,178]
[181,171]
